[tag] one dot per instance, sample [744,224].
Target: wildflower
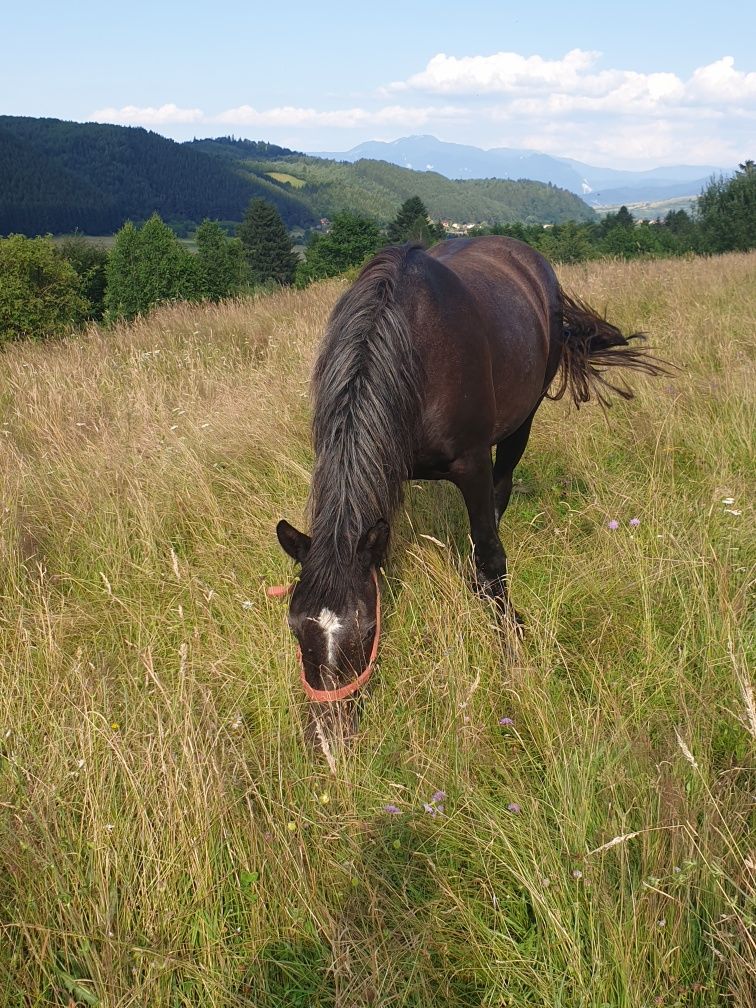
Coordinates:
[613,524]
[392,810]
[114,725]
[246,604]
[291,826]
[577,874]
[438,796]
[505,722]
[324,798]
[514,807]
[634,522]
[728,500]
[661,922]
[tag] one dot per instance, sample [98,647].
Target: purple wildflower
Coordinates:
[392,810]
[438,796]
[505,722]
[430,809]
[514,807]
[613,524]
[634,522]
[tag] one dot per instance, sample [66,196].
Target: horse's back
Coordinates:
[484,312]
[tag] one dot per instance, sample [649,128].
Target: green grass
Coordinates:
[297,183]
[166,838]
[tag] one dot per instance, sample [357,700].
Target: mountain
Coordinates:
[59,176]
[598,186]
[378,188]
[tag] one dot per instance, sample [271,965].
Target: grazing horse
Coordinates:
[429,360]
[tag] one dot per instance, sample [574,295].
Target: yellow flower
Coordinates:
[115,726]
[291,826]
[324,798]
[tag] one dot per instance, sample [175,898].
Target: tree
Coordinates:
[40,292]
[266,244]
[727,211]
[351,240]
[219,264]
[413,224]
[90,261]
[148,265]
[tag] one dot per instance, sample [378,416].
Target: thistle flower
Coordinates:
[613,524]
[635,522]
[392,810]
[506,722]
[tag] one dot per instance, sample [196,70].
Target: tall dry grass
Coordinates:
[165,837]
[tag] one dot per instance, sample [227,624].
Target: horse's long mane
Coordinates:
[367,390]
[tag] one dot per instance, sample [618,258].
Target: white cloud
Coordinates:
[501,72]
[293,116]
[150,116]
[720,82]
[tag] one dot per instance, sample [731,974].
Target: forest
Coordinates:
[60,177]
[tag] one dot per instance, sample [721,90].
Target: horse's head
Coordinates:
[335,617]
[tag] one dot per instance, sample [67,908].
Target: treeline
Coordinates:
[45,288]
[725,222]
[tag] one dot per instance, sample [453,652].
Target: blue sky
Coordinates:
[619,85]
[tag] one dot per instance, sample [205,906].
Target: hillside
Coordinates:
[59,176]
[168,840]
[62,176]
[377,188]
[598,186]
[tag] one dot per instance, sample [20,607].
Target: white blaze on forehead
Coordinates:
[331,625]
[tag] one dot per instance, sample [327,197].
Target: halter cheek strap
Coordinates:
[331,696]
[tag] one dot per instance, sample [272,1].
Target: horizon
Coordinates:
[673,86]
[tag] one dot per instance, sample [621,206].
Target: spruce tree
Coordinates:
[266,244]
[413,224]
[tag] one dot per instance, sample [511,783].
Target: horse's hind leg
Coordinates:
[473,475]
[509,451]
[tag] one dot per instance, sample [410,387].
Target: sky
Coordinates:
[616,85]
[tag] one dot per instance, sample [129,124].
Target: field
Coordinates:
[166,838]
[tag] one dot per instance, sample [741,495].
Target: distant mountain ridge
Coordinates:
[597,186]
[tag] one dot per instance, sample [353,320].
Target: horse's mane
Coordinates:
[366,389]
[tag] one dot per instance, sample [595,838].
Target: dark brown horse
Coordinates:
[429,360]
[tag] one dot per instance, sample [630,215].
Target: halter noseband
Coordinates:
[331,696]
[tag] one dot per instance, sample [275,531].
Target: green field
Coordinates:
[292,180]
[167,839]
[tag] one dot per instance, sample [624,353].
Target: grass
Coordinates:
[297,183]
[165,837]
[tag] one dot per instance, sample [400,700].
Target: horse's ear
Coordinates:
[372,547]
[293,542]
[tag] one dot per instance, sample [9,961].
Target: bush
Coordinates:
[41,293]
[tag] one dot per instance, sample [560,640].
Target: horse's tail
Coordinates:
[367,390]
[590,346]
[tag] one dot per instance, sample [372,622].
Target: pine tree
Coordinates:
[266,244]
[219,263]
[411,222]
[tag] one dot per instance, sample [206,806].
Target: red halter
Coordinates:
[331,696]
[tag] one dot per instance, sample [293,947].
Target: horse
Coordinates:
[431,359]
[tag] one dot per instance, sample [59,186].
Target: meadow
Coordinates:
[567,824]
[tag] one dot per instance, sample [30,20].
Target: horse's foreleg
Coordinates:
[473,475]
